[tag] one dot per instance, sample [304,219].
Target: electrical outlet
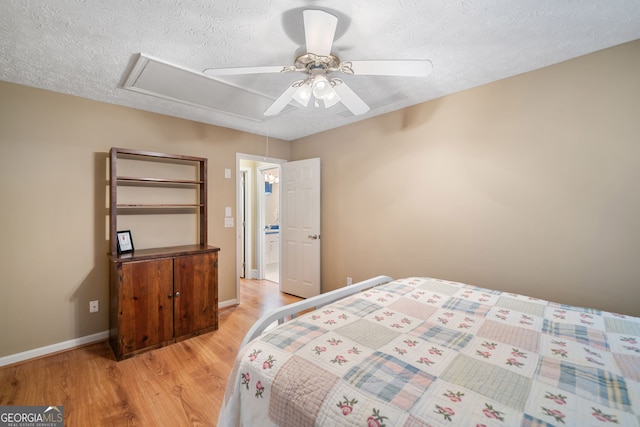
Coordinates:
[228,222]
[349,281]
[94,306]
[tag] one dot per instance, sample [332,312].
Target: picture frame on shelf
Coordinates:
[125,241]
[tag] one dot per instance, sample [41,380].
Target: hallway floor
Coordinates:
[272,272]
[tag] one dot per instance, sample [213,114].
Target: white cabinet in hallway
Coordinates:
[271,247]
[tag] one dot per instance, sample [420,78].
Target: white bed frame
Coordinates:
[280,314]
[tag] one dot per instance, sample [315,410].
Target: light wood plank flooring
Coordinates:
[179,385]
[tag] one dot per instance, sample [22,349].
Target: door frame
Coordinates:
[244,206]
[251,181]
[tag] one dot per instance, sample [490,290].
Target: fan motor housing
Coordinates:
[310,61]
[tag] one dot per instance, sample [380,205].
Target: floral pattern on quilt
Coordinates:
[429,352]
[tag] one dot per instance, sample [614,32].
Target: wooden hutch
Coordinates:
[160,295]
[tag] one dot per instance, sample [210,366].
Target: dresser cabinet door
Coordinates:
[147,304]
[196,290]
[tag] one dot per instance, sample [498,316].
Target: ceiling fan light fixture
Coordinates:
[332,99]
[303,94]
[321,87]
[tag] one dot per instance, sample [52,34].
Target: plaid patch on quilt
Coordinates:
[519,305]
[468,307]
[581,334]
[295,336]
[598,385]
[358,307]
[429,352]
[389,379]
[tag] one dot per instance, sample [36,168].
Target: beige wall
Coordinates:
[53,190]
[529,185]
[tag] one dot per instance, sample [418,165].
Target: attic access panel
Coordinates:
[154,77]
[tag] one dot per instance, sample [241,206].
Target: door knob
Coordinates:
[314,237]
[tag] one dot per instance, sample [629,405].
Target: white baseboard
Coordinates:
[53,348]
[228,303]
[67,345]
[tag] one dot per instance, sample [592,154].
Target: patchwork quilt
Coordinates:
[428,352]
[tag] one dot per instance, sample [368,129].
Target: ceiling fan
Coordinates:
[319,65]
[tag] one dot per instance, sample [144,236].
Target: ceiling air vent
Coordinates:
[157,78]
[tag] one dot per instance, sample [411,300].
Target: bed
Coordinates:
[429,352]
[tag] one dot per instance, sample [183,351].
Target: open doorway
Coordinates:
[298,220]
[269,221]
[258,207]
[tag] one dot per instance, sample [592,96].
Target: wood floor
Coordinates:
[179,385]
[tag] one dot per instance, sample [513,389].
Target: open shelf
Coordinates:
[187,178]
[139,180]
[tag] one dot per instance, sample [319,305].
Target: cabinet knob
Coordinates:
[178,293]
[170,296]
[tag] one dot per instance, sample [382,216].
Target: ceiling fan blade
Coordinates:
[319,30]
[282,101]
[216,72]
[410,68]
[349,98]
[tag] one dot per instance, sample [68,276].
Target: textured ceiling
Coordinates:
[88,48]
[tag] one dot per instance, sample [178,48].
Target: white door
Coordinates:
[300,228]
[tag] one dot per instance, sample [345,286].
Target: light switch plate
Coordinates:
[227,173]
[227,211]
